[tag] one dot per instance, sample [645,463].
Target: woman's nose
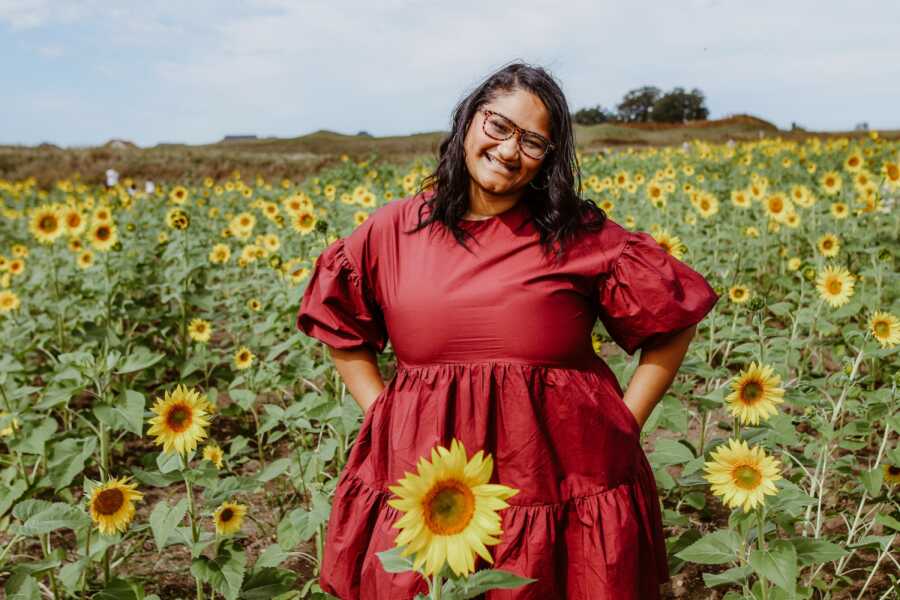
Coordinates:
[509,148]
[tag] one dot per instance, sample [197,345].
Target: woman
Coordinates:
[488,285]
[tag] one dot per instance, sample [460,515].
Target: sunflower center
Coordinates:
[827,244]
[48,223]
[102,233]
[179,418]
[835,286]
[74,221]
[894,470]
[226,515]
[893,172]
[108,502]
[449,506]
[882,329]
[752,392]
[306,220]
[746,477]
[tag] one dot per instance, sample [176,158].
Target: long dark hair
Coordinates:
[554,200]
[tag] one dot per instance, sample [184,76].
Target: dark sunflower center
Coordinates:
[752,392]
[108,502]
[179,418]
[835,286]
[226,516]
[48,223]
[746,477]
[894,470]
[449,506]
[827,244]
[102,234]
[306,220]
[881,328]
[893,172]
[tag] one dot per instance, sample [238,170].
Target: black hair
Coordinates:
[555,204]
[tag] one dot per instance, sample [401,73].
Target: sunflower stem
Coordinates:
[87,565]
[192,514]
[761,542]
[104,453]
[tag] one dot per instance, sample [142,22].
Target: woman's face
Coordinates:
[500,167]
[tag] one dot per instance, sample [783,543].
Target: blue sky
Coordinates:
[81,73]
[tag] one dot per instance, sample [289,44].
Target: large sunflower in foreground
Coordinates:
[835,285]
[112,505]
[450,510]
[885,328]
[180,421]
[755,392]
[46,224]
[741,475]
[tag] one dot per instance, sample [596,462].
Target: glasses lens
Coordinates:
[498,127]
[533,146]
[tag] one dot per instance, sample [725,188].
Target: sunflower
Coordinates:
[740,198]
[180,420]
[178,195]
[74,221]
[741,475]
[794,263]
[20,250]
[243,358]
[8,301]
[177,218]
[450,510]
[755,392]
[835,285]
[891,474]
[839,210]
[46,224]
[829,245]
[16,266]
[104,236]
[739,293]
[670,243]
[11,427]
[213,454]
[229,517]
[776,206]
[891,172]
[885,328]
[254,304]
[102,213]
[112,505]
[360,216]
[200,330]
[831,182]
[271,242]
[854,162]
[304,222]
[219,254]
[751,232]
[85,260]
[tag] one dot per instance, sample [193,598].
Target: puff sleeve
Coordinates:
[648,293]
[338,307]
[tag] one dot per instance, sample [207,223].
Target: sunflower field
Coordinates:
[166,432]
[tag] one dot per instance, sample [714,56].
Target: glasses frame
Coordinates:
[517,131]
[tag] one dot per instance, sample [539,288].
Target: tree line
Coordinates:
[649,104]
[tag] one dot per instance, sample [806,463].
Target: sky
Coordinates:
[79,73]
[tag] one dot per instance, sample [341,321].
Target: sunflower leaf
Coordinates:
[164,519]
[482,581]
[140,358]
[717,548]
[225,573]
[777,563]
[392,562]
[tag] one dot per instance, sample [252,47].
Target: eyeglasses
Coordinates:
[499,128]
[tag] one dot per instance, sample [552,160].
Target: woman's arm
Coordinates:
[359,370]
[656,369]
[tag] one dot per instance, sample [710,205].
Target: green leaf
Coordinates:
[271,557]
[21,586]
[67,460]
[244,398]
[777,563]
[717,548]
[267,583]
[733,575]
[872,480]
[121,589]
[9,496]
[168,462]
[392,562]
[888,521]
[812,552]
[274,469]
[670,452]
[164,519]
[32,441]
[131,408]
[225,573]
[50,518]
[140,358]
[483,581]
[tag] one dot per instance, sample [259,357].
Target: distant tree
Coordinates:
[863,126]
[679,106]
[364,133]
[593,116]
[637,105]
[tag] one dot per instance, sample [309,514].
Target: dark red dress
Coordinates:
[494,348]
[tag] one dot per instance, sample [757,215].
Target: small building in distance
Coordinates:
[238,138]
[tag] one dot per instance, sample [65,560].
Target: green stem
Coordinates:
[760,539]
[192,513]
[87,566]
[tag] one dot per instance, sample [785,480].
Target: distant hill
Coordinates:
[300,156]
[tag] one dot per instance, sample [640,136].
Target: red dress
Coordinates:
[494,348]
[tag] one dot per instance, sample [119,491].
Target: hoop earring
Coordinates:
[543,187]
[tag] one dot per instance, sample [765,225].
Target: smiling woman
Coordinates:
[494,349]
